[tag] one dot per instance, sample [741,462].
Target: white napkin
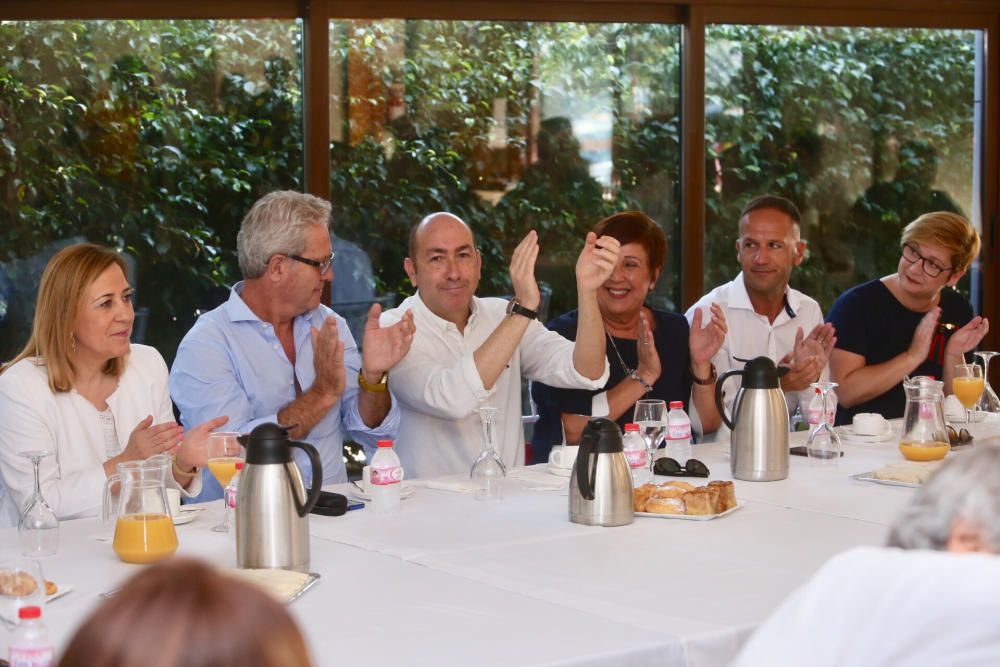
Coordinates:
[460,483]
[954,411]
[534,478]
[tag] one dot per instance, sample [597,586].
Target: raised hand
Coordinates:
[383,347]
[522,272]
[328,359]
[923,336]
[193,450]
[704,342]
[596,262]
[649,358]
[802,371]
[968,337]
[819,343]
[148,440]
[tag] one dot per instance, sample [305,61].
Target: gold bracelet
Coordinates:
[381,385]
[177,469]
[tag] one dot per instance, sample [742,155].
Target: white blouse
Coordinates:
[67,424]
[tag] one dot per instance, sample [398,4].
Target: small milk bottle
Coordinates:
[30,645]
[386,479]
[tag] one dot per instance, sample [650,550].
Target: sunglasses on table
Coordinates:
[958,438]
[669,467]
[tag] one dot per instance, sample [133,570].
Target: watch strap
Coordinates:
[705,381]
[515,308]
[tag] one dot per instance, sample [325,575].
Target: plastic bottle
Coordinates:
[233,486]
[30,645]
[635,449]
[386,479]
[816,408]
[678,433]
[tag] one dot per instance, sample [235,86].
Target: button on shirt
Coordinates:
[439,388]
[752,335]
[232,363]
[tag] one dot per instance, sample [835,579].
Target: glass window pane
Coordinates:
[151,136]
[510,125]
[864,129]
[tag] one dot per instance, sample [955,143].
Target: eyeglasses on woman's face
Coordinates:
[322,265]
[930,266]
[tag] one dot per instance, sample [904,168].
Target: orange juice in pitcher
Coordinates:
[144,530]
[144,538]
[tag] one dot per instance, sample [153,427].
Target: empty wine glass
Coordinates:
[823,446]
[988,402]
[24,586]
[968,386]
[38,527]
[488,471]
[649,416]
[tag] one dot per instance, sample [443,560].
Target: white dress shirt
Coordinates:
[69,426]
[439,388]
[871,607]
[752,335]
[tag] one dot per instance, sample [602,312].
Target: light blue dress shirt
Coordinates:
[232,363]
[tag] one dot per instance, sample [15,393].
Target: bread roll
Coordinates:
[727,494]
[665,506]
[668,492]
[641,495]
[699,502]
[678,485]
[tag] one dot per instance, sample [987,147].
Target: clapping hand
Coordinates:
[805,362]
[328,359]
[148,440]
[649,359]
[597,262]
[819,343]
[383,347]
[193,450]
[704,342]
[923,336]
[968,337]
[522,272]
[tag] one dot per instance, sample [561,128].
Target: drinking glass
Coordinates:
[649,416]
[224,450]
[488,471]
[968,385]
[824,445]
[38,527]
[24,586]
[989,401]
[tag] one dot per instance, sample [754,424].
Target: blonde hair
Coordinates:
[949,231]
[64,283]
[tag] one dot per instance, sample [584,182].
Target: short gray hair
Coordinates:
[967,486]
[276,225]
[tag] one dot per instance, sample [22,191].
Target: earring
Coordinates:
[72,341]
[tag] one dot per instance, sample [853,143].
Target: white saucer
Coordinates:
[557,470]
[405,491]
[187,515]
[847,431]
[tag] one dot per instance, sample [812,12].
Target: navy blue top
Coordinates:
[674,384]
[870,321]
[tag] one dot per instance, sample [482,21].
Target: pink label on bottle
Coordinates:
[32,657]
[230,497]
[636,458]
[926,410]
[679,432]
[384,476]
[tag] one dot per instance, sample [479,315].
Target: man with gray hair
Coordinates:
[274,353]
[932,600]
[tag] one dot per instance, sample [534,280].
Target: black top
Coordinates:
[870,321]
[674,383]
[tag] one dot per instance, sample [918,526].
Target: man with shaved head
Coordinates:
[470,352]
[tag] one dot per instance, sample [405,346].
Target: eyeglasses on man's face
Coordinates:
[930,266]
[321,265]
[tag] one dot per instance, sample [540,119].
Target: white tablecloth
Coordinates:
[451,581]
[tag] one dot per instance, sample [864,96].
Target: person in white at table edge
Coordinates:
[766,317]
[82,391]
[929,600]
[468,352]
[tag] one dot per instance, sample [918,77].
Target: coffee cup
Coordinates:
[563,456]
[173,501]
[870,423]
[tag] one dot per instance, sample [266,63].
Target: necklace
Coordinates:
[629,372]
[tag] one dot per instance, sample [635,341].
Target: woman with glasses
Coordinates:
[906,323]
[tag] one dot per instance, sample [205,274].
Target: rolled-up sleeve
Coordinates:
[548,357]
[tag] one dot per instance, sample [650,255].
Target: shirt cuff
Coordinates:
[471,375]
[599,405]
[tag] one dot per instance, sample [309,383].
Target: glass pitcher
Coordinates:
[924,436]
[144,530]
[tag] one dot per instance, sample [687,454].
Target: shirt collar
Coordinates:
[442,324]
[238,311]
[739,298]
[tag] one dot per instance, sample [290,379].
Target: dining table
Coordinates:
[452,581]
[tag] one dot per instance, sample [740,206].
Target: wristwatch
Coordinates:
[712,377]
[514,308]
[381,385]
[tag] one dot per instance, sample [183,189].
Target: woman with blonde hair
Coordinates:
[82,391]
[906,323]
[183,613]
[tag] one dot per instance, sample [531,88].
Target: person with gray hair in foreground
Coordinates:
[274,353]
[929,599]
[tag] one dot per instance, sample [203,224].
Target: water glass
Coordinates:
[38,526]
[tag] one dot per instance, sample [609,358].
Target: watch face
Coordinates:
[510,306]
